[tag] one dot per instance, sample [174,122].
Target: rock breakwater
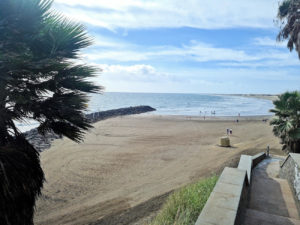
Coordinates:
[97,116]
[42,143]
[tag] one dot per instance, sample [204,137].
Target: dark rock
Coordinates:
[97,116]
[41,142]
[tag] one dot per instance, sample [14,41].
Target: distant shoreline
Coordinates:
[207,118]
[258,96]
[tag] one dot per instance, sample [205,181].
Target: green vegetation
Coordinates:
[287,107]
[287,120]
[40,81]
[184,206]
[289,20]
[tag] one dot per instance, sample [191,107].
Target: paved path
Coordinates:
[271,199]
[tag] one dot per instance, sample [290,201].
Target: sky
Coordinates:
[190,46]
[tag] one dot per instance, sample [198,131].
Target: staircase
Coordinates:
[271,201]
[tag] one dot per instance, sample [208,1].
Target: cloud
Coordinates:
[135,14]
[137,72]
[285,62]
[267,41]
[146,72]
[196,52]
[147,78]
[100,41]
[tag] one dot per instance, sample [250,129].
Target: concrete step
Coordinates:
[254,217]
[273,196]
[268,169]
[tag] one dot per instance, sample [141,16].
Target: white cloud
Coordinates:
[139,72]
[146,78]
[115,55]
[250,68]
[100,41]
[194,51]
[267,41]
[284,62]
[205,14]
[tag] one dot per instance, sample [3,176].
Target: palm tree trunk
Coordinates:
[3,134]
[290,146]
[3,129]
[297,147]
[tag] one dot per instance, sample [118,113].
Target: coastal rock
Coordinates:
[97,116]
[41,142]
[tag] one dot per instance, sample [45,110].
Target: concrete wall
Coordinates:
[290,170]
[229,196]
[223,203]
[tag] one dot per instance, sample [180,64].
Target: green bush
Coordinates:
[184,205]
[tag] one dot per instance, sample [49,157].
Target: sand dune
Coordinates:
[126,165]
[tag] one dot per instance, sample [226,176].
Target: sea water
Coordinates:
[176,104]
[183,104]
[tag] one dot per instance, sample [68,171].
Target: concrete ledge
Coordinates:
[246,164]
[230,193]
[258,158]
[222,205]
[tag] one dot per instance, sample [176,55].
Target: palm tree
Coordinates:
[287,120]
[39,80]
[289,17]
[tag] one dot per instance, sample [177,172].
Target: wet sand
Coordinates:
[128,165]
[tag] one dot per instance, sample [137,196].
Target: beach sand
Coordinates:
[259,96]
[127,165]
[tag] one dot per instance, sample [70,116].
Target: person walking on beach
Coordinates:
[227,130]
[230,131]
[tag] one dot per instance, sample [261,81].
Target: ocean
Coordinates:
[177,104]
[183,104]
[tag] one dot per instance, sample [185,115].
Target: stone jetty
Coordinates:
[41,142]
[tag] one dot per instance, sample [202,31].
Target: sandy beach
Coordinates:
[128,165]
[259,96]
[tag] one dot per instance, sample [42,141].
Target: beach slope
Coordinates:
[127,165]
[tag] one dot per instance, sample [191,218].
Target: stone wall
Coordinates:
[41,142]
[97,116]
[290,170]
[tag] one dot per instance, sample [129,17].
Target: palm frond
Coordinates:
[39,80]
[286,123]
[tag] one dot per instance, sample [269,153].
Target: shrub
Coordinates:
[184,205]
